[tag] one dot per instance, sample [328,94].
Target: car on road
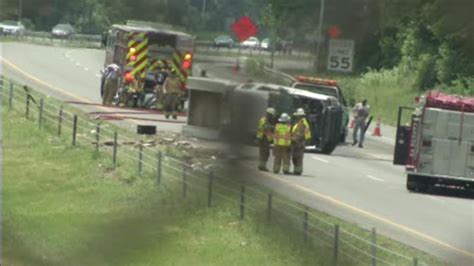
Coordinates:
[251,43]
[223,41]
[329,88]
[265,44]
[11,27]
[63,31]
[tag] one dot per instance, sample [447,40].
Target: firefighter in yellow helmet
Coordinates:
[300,134]
[282,144]
[265,131]
[171,92]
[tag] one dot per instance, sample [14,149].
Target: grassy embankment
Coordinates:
[68,206]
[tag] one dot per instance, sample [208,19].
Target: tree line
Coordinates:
[433,38]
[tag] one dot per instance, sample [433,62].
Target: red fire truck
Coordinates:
[141,47]
[437,147]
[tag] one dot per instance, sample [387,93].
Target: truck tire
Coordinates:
[414,184]
[343,138]
[328,148]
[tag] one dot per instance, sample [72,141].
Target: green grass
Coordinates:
[89,198]
[66,206]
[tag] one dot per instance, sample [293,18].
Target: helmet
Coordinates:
[299,112]
[284,118]
[270,111]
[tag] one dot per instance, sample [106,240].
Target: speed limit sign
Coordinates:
[341,55]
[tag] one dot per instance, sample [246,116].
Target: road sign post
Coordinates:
[60,120]
[341,55]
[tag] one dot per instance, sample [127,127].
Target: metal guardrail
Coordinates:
[126,151]
[88,40]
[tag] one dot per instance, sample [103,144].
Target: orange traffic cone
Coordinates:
[353,122]
[377,130]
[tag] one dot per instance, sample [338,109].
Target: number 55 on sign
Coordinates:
[341,55]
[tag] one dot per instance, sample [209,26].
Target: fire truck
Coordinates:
[437,144]
[140,48]
[326,87]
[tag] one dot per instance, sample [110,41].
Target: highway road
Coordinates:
[358,185]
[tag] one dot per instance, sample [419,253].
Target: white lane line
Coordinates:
[78,64]
[86,69]
[319,159]
[375,178]
[436,199]
[98,75]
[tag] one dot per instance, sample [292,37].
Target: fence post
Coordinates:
[27,112]
[305,224]
[60,120]
[269,206]
[374,247]
[114,153]
[209,191]
[336,244]
[97,137]
[185,185]
[415,262]
[158,167]
[40,115]
[10,97]
[140,159]
[74,130]
[242,202]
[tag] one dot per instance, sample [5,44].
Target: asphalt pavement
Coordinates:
[358,185]
[364,187]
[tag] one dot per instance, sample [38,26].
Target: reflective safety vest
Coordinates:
[283,135]
[306,131]
[264,129]
[171,85]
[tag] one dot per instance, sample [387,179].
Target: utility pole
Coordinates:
[20,9]
[203,11]
[320,37]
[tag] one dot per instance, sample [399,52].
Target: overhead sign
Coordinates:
[341,55]
[244,28]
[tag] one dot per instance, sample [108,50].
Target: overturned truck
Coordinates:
[220,109]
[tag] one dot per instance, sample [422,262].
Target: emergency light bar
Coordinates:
[318,81]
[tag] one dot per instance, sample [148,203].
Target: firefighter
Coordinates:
[300,134]
[282,144]
[171,93]
[162,74]
[265,132]
[111,83]
[361,112]
[137,88]
[128,82]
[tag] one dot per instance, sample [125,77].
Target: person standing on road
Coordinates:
[265,131]
[137,89]
[361,112]
[171,93]
[162,74]
[300,134]
[111,83]
[282,144]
